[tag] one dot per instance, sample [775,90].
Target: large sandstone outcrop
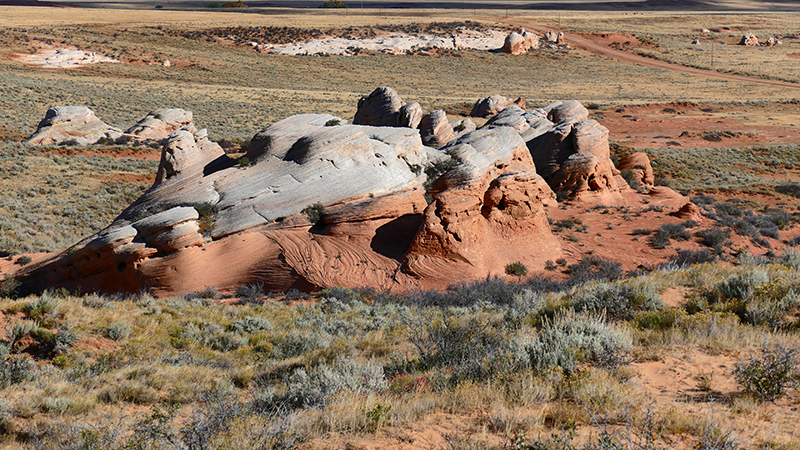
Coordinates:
[324,203]
[749,39]
[75,124]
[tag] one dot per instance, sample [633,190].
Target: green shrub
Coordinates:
[250,325]
[333,4]
[594,268]
[517,269]
[315,214]
[667,232]
[769,375]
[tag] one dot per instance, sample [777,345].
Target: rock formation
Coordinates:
[462,127]
[639,165]
[749,39]
[553,37]
[493,104]
[158,124]
[383,107]
[324,203]
[520,43]
[74,124]
[435,129]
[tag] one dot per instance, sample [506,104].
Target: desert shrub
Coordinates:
[790,258]
[620,301]
[715,238]
[24,260]
[10,287]
[631,179]
[660,320]
[209,293]
[689,257]
[468,343]
[250,325]
[317,386]
[315,214]
[342,294]
[769,375]
[594,268]
[668,231]
[296,343]
[16,369]
[642,232]
[571,338]
[492,290]
[40,307]
[118,331]
[250,291]
[525,307]
[129,391]
[793,242]
[517,269]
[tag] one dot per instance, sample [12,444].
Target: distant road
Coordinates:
[605,50]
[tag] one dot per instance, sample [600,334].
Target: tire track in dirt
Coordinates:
[604,50]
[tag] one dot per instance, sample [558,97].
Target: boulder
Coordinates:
[493,104]
[553,37]
[410,115]
[520,43]
[639,165]
[160,123]
[186,153]
[773,41]
[72,124]
[380,108]
[689,211]
[749,39]
[435,129]
[571,110]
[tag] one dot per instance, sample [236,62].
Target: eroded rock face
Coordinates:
[488,210]
[574,158]
[324,203]
[76,124]
[639,165]
[493,104]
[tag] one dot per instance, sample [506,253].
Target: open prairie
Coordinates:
[652,331]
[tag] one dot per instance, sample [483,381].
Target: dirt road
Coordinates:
[604,50]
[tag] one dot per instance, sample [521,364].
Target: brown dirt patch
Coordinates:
[691,376]
[793,56]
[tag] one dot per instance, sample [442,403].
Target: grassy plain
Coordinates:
[652,356]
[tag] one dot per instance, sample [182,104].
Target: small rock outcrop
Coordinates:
[383,107]
[571,110]
[554,37]
[749,40]
[462,127]
[493,104]
[160,123]
[435,130]
[72,124]
[773,41]
[520,43]
[640,168]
